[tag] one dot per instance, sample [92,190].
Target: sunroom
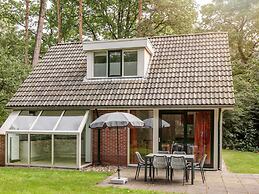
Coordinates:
[49,138]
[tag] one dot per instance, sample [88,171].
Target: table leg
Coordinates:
[145,168]
[192,172]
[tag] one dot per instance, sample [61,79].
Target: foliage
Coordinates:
[163,17]
[241,162]
[240,19]
[12,69]
[27,181]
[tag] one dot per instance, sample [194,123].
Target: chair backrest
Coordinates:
[179,152]
[203,160]
[139,158]
[178,162]
[160,162]
[163,152]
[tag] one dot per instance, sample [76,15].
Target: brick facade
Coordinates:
[108,148]
[2,150]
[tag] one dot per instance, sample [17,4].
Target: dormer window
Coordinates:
[125,58]
[130,63]
[115,63]
[100,63]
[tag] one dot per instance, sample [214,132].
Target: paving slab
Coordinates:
[217,182]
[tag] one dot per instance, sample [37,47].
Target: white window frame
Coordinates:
[106,75]
[107,65]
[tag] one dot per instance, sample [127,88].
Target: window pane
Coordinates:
[141,139]
[47,120]
[70,121]
[100,64]
[40,149]
[130,63]
[115,63]
[18,148]
[25,120]
[65,150]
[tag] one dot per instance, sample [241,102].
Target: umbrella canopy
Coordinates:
[149,123]
[117,119]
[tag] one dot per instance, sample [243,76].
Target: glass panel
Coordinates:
[114,63]
[40,149]
[70,121]
[18,148]
[65,150]
[83,147]
[100,64]
[47,120]
[141,139]
[130,63]
[25,120]
[173,134]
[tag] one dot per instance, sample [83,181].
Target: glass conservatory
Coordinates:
[49,138]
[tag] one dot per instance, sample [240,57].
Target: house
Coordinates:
[184,81]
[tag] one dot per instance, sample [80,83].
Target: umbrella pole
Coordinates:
[118,160]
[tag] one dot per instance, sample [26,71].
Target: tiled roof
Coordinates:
[186,70]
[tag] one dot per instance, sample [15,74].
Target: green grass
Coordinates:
[47,181]
[241,162]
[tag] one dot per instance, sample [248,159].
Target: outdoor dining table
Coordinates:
[189,158]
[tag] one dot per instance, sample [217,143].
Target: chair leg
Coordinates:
[171,174]
[183,176]
[139,170]
[153,177]
[136,172]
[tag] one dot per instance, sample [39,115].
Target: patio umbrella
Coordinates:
[117,120]
[149,123]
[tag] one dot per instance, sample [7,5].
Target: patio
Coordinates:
[217,182]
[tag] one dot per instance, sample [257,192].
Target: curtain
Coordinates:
[202,139]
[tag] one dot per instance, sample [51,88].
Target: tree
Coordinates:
[36,53]
[240,19]
[59,22]
[139,15]
[80,20]
[26,36]
[161,17]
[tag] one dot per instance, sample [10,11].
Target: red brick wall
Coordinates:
[2,150]
[109,146]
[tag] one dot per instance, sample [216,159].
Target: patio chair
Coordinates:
[199,166]
[141,163]
[179,152]
[160,162]
[179,163]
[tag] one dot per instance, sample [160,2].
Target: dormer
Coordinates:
[123,58]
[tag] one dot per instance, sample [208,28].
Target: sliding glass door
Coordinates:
[189,131]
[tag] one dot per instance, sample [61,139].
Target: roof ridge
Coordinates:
[63,43]
[189,34]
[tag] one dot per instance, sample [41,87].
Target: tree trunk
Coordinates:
[80,20]
[139,17]
[59,22]
[26,35]
[36,53]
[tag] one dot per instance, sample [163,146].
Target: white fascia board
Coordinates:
[8,122]
[118,44]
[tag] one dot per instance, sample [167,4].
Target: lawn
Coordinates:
[241,162]
[36,180]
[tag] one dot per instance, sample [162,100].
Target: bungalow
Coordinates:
[182,84]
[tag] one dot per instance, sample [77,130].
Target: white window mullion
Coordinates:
[59,119]
[34,122]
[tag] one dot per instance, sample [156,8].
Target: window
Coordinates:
[100,61]
[130,63]
[115,61]
[120,63]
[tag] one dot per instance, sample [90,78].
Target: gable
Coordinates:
[185,70]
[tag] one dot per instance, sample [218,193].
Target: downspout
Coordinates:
[99,140]
[219,139]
